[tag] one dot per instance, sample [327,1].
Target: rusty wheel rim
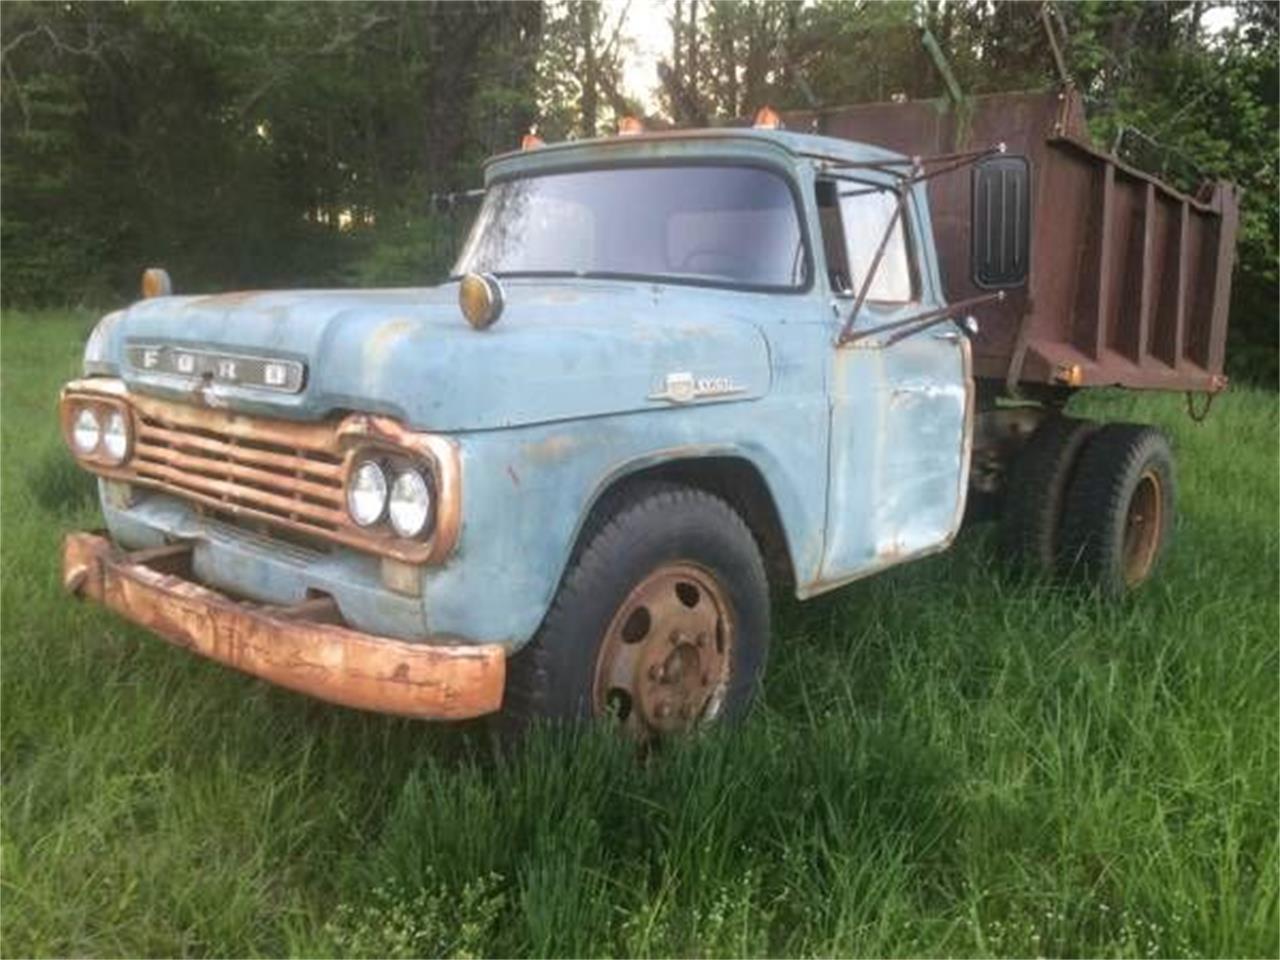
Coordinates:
[1143,528]
[664,662]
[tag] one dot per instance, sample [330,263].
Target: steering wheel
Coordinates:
[719,263]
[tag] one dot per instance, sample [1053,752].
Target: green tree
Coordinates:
[580,70]
[245,144]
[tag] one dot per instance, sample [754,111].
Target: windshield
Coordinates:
[732,225]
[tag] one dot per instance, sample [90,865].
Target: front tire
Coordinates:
[661,621]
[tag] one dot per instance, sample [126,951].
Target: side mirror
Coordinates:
[1001,240]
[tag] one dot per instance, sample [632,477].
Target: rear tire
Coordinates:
[1036,490]
[661,621]
[1119,512]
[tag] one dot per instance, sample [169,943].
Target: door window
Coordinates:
[854,218]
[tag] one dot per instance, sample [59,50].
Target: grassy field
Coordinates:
[946,761]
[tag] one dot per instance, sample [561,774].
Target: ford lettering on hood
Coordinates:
[219,367]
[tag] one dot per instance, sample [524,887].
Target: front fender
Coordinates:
[527,493]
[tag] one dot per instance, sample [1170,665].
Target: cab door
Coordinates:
[901,406]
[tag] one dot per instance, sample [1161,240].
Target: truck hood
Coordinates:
[560,350]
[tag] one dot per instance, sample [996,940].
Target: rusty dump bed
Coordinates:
[1130,279]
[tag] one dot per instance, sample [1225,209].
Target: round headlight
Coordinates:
[410,504]
[367,494]
[115,437]
[86,431]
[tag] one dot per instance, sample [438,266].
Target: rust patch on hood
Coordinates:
[385,337]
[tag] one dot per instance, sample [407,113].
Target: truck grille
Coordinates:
[291,482]
[282,478]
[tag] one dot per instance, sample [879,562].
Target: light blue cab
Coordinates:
[671,311]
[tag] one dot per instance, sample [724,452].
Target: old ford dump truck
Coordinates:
[673,370]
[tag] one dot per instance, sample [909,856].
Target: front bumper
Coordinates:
[285,645]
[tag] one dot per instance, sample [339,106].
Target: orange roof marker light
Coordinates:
[767,118]
[156,283]
[531,140]
[629,127]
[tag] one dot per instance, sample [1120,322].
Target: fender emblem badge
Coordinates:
[684,387]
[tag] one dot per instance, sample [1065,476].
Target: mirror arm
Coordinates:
[914,165]
[921,321]
[444,202]
[846,332]
[959,161]
[949,163]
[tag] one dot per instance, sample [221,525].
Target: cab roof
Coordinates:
[661,144]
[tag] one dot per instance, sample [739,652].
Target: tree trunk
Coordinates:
[587,14]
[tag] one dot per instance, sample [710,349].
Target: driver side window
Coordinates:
[854,218]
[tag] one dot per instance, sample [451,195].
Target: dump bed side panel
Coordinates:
[1130,279]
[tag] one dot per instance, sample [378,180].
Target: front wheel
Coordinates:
[661,621]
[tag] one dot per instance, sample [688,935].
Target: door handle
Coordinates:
[951,335]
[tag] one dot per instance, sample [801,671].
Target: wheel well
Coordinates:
[735,480]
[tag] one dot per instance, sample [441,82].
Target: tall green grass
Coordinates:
[946,761]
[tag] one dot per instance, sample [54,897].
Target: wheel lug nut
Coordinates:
[677,638]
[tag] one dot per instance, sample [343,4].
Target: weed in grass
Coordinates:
[946,760]
[426,921]
[59,486]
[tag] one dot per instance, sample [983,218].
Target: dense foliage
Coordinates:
[265,144]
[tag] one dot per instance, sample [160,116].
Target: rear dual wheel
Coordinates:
[1117,520]
[1037,489]
[1090,502]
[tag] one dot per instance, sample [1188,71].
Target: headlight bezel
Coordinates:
[394,463]
[104,410]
